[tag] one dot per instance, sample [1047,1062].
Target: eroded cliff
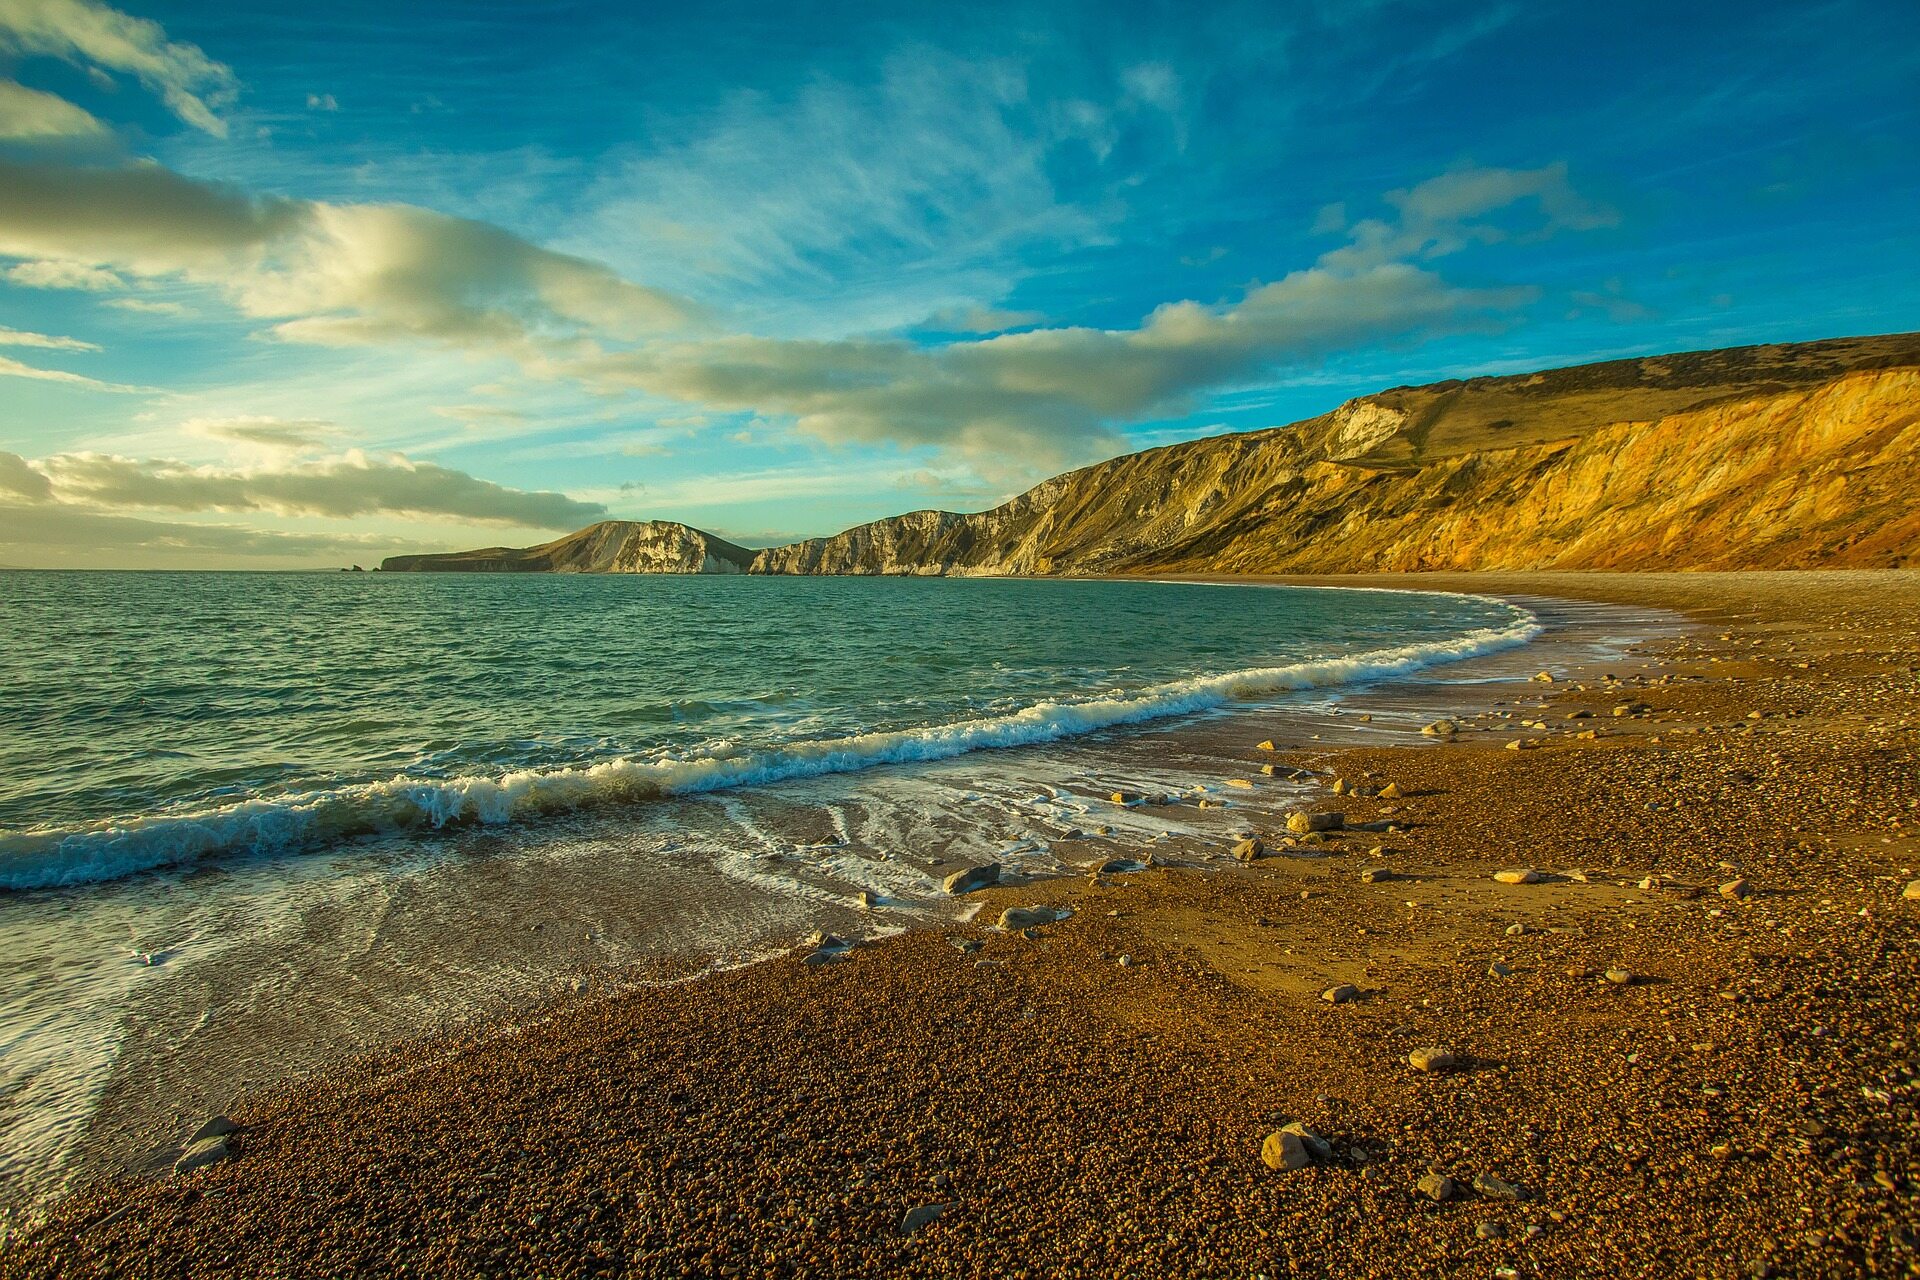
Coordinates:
[611,546]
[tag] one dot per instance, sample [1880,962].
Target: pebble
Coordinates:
[1435,1186]
[1248,850]
[1519,875]
[1912,890]
[1441,729]
[1490,1231]
[1736,889]
[1433,1060]
[1026,917]
[1341,994]
[1495,1188]
[920,1216]
[1303,823]
[1374,875]
[966,881]
[1391,791]
[200,1154]
[1619,977]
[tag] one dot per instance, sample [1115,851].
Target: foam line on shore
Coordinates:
[123,847]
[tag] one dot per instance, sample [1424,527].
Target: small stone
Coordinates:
[1545,677]
[1519,744]
[1518,875]
[1441,729]
[973,878]
[965,945]
[1499,969]
[1266,746]
[1015,918]
[1582,714]
[1341,994]
[1736,889]
[1495,1188]
[868,899]
[1391,791]
[1912,891]
[1490,1231]
[1340,787]
[1619,977]
[1432,1060]
[1516,931]
[1248,850]
[1284,1151]
[1124,797]
[1376,875]
[1303,823]
[920,1216]
[1435,1186]
[1126,962]
[1118,867]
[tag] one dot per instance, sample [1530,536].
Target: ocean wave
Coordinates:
[283,824]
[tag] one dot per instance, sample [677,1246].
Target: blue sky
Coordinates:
[284,287]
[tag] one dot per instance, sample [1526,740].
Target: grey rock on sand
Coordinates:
[1496,1188]
[1317,1147]
[920,1216]
[1248,850]
[1027,917]
[973,878]
[1441,729]
[1519,875]
[1435,1186]
[1736,889]
[1341,994]
[1303,823]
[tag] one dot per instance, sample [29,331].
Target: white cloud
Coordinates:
[46,342]
[63,275]
[1446,214]
[52,533]
[331,274]
[339,487]
[22,481]
[322,102]
[148,306]
[978,319]
[11,368]
[192,85]
[269,433]
[29,114]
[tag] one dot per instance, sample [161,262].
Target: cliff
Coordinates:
[612,546]
[1784,456]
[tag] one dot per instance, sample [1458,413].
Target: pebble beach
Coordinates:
[1612,974]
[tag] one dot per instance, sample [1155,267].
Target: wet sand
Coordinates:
[1742,1105]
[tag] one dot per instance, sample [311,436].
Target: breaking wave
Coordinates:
[315,819]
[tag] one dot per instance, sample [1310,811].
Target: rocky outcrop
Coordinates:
[1788,456]
[1774,457]
[612,546]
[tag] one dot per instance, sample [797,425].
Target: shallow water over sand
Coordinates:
[134,1006]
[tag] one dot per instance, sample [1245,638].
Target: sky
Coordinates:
[287,288]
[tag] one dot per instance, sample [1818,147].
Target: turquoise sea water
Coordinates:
[155,719]
[251,823]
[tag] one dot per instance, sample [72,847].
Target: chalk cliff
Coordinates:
[1785,456]
[612,546]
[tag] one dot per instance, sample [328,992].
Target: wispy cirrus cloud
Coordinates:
[45,341]
[194,86]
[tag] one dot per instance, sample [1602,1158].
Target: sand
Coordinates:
[1744,1104]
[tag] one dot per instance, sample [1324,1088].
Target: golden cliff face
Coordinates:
[1777,457]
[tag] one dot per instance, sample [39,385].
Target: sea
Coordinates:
[251,823]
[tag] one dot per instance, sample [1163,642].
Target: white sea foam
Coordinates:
[122,847]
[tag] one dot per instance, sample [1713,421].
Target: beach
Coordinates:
[1686,1048]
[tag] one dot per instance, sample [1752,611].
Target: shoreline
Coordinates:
[1230,961]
